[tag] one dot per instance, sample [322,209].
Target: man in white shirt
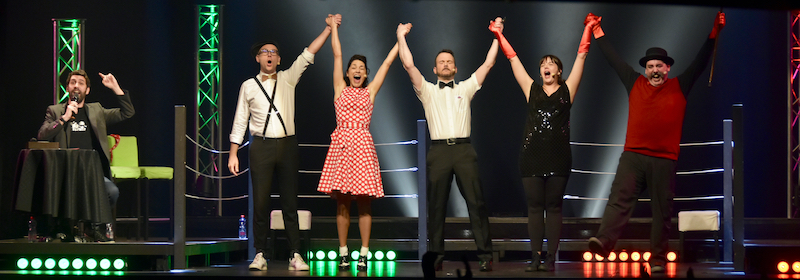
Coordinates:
[447,109]
[266,102]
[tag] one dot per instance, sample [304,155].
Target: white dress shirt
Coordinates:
[252,105]
[448,109]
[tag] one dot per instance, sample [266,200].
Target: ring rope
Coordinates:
[212,150]
[714,197]
[621,145]
[216,177]
[716,170]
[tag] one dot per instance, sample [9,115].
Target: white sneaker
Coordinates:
[259,263]
[297,263]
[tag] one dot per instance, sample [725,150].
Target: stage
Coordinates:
[769,240]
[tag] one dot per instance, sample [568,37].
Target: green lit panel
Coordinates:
[67,53]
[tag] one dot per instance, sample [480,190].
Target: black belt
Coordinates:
[451,141]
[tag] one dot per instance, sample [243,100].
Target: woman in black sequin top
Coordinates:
[546,160]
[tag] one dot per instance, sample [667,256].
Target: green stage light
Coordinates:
[63,263]
[369,255]
[77,273]
[22,263]
[91,264]
[49,263]
[320,255]
[77,263]
[105,264]
[354,255]
[332,255]
[391,255]
[119,264]
[36,263]
[379,255]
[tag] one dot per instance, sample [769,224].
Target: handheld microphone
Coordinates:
[73,97]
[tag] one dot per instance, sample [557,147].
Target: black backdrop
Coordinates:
[150,47]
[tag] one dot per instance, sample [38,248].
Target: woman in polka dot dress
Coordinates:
[351,170]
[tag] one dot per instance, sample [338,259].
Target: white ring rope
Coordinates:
[715,170]
[714,197]
[212,150]
[216,177]
[299,196]
[621,145]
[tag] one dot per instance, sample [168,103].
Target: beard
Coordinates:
[77,95]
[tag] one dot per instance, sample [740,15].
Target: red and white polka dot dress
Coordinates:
[352,166]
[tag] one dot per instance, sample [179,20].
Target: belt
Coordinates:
[451,141]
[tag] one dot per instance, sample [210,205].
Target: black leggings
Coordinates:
[544,193]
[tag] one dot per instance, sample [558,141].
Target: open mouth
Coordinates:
[547,74]
[357,78]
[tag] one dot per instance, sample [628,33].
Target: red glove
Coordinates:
[719,23]
[594,21]
[504,45]
[586,39]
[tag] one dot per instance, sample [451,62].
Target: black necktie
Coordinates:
[447,84]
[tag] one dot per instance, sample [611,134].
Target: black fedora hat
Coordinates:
[656,53]
[257,47]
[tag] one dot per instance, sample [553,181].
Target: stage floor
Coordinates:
[412,270]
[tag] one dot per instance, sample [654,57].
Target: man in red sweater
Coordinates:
[656,105]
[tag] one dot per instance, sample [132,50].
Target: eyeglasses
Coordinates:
[265,52]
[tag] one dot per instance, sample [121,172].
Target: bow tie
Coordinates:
[265,77]
[447,84]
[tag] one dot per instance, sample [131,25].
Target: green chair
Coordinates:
[125,165]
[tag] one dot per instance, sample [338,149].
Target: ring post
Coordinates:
[422,183]
[179,245]
[727,181]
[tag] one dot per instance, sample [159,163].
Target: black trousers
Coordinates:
[635,173]
[269,158]
[545,194]
[460,160]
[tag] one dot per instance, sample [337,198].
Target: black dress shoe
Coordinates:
[485,265]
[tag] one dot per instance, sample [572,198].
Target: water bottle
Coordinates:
[242,227]
[109,231]
[32,235]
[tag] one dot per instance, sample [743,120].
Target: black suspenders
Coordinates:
[271,106]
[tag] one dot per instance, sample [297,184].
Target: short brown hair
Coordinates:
[445,51]
[81,73]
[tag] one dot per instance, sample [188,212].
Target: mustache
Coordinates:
[657,74]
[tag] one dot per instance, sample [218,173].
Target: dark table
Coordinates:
[63,183]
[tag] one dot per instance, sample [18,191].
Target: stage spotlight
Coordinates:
[635,256]
[796,267]
[320,255]
[77,263]
[598,257]
[49,263]
[91,264]
[391,255]
[369,255]
[36,263]
[379,255]
[332,255]
[783,267]
[587,256]
[105,264]
[119,264]
[623,256]
[22,263]
[612,256]
[63,263]
[672,256]
[646,256]
[354,255]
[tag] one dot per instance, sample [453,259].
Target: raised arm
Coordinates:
[405,55]
[574,79]
[523,78]
[338,76]
[487,65]
[315,45]
[380,76]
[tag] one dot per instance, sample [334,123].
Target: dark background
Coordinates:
[150,46]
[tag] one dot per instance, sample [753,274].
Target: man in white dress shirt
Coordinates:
[266,103]
[447,109]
